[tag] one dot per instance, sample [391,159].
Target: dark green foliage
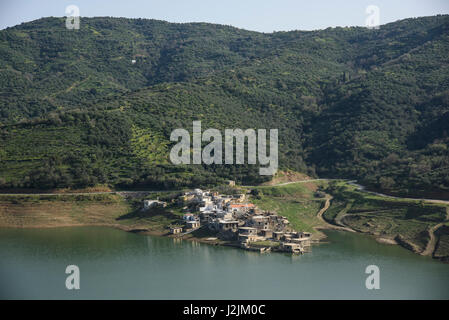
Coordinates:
[348,102]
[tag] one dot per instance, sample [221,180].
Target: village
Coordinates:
[233,219]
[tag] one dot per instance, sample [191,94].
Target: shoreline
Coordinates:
[148,232]
[320,239]
[106,225]
[398,240]
[110,209]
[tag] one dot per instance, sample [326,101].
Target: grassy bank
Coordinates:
[34,211]
[296,201]
[417,225]
[408,222]
[420,226]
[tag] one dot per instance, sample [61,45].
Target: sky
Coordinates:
[256,15]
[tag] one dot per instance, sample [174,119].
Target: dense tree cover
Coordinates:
[348,102]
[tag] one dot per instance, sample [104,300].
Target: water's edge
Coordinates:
[123,265]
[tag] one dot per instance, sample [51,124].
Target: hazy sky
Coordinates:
[258,15]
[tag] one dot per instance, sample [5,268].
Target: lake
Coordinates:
[119,265]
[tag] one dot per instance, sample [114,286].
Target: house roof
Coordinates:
[227,221]
[246,205]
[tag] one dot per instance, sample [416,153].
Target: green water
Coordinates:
[119,265]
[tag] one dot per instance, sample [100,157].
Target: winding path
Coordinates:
[327,225]
[431,245]
[122,193]
[363,189]
[290,182]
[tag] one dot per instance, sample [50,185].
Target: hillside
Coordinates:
[348,102]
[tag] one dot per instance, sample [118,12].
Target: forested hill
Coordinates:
[97,105]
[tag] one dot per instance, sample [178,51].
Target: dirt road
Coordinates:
[326,224]
[363,189]
[430,247]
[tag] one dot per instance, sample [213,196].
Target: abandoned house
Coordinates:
[175,230]
[148,204]
[192,224]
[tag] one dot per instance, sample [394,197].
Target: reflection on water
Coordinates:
[120,265]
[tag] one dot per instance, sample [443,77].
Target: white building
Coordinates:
[148,204]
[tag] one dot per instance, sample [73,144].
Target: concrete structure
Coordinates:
[278,235]
[148,204]
[302,241]
[225,215]
[267,233]
[175,230]
[291,247]
[260,222]
[206,216]
[228,225]
[247,231]
[305,234]
[287,236]
[241,207]
[192,225]
[208,206]
[247,238]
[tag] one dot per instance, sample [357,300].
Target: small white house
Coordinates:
[193,224]
[148,204]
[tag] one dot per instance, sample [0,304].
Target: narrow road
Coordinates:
[122,193]
[363,189]
[327,225]
[430,247]
[353,182]
[299,181]
[359,187]
[342,214]
[290,182]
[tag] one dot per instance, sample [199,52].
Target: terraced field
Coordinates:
[417,225]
